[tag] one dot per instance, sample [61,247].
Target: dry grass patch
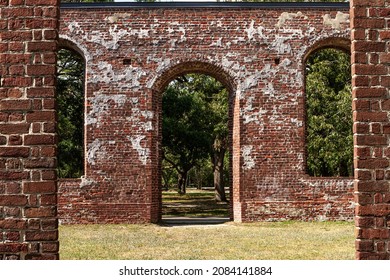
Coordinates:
[274,241]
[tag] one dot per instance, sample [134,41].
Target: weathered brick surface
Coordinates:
[27,152]
[259,54]
[131,56]
[370,83]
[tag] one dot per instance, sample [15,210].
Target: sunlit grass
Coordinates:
[275,241]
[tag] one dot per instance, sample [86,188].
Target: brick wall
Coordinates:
[28,42]
[258,53]
[370,58]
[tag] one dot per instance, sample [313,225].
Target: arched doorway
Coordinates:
[328,103]
[217,73]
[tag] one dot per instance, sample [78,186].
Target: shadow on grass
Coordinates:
[195,204]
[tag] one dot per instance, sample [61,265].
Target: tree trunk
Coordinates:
[219,187]
[181,183]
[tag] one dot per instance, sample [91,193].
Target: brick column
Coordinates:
[371,105]
[28,199]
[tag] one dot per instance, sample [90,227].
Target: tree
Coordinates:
[70,110]
[216,97]
[186,135]
[195,113]
[329,114]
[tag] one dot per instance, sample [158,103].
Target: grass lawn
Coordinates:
[284,240]
[230,241]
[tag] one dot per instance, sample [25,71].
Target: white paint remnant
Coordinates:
[99,106]
[251,114]
[143,153]
[142,118]
[112,19]
[285,16]
[249,161]
[111,44]
[86,182]
[337,21]
[218,43]
[74,27]
[95,151]
[251,81]
[296,122]
[163,64]
[108,75]
[281,44]
[142,33]
[251,31]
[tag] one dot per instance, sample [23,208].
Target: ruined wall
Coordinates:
[258,53]
[28,216]
[370,73]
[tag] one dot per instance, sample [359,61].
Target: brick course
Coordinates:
[25,158]
[370,87]
[131,56]
[258,54]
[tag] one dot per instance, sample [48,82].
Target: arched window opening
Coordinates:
[70,113]
[195,144]
[329,114]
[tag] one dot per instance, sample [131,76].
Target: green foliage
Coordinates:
[329,114]
[194,116]
[70,108]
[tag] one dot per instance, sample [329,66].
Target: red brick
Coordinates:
[373,186]
[368,22]
[362,69]
[39,70]
[16,2]
[21,128]
[39,187]
[41,46]
[13,224]
[41,235]
[17,82]
[14,151]
[50,247]
[365,116]
[41,2]
[40,92]
[48,199]
[41,116]
[13,247]
[15,105]
[50,34]
[39,139]
[371,140]
[18,12]
[41,212]
[13,200]
[46,163]
[14,175]
[373,163]
[364,245]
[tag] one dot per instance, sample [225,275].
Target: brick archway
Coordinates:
[264,57]
[220,74]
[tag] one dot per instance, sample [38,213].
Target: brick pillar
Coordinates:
[371,105]
[28,199]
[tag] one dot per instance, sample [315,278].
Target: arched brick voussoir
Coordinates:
[162,78]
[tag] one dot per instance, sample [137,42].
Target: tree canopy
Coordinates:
[194,122]
[70,111]
[329,114]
